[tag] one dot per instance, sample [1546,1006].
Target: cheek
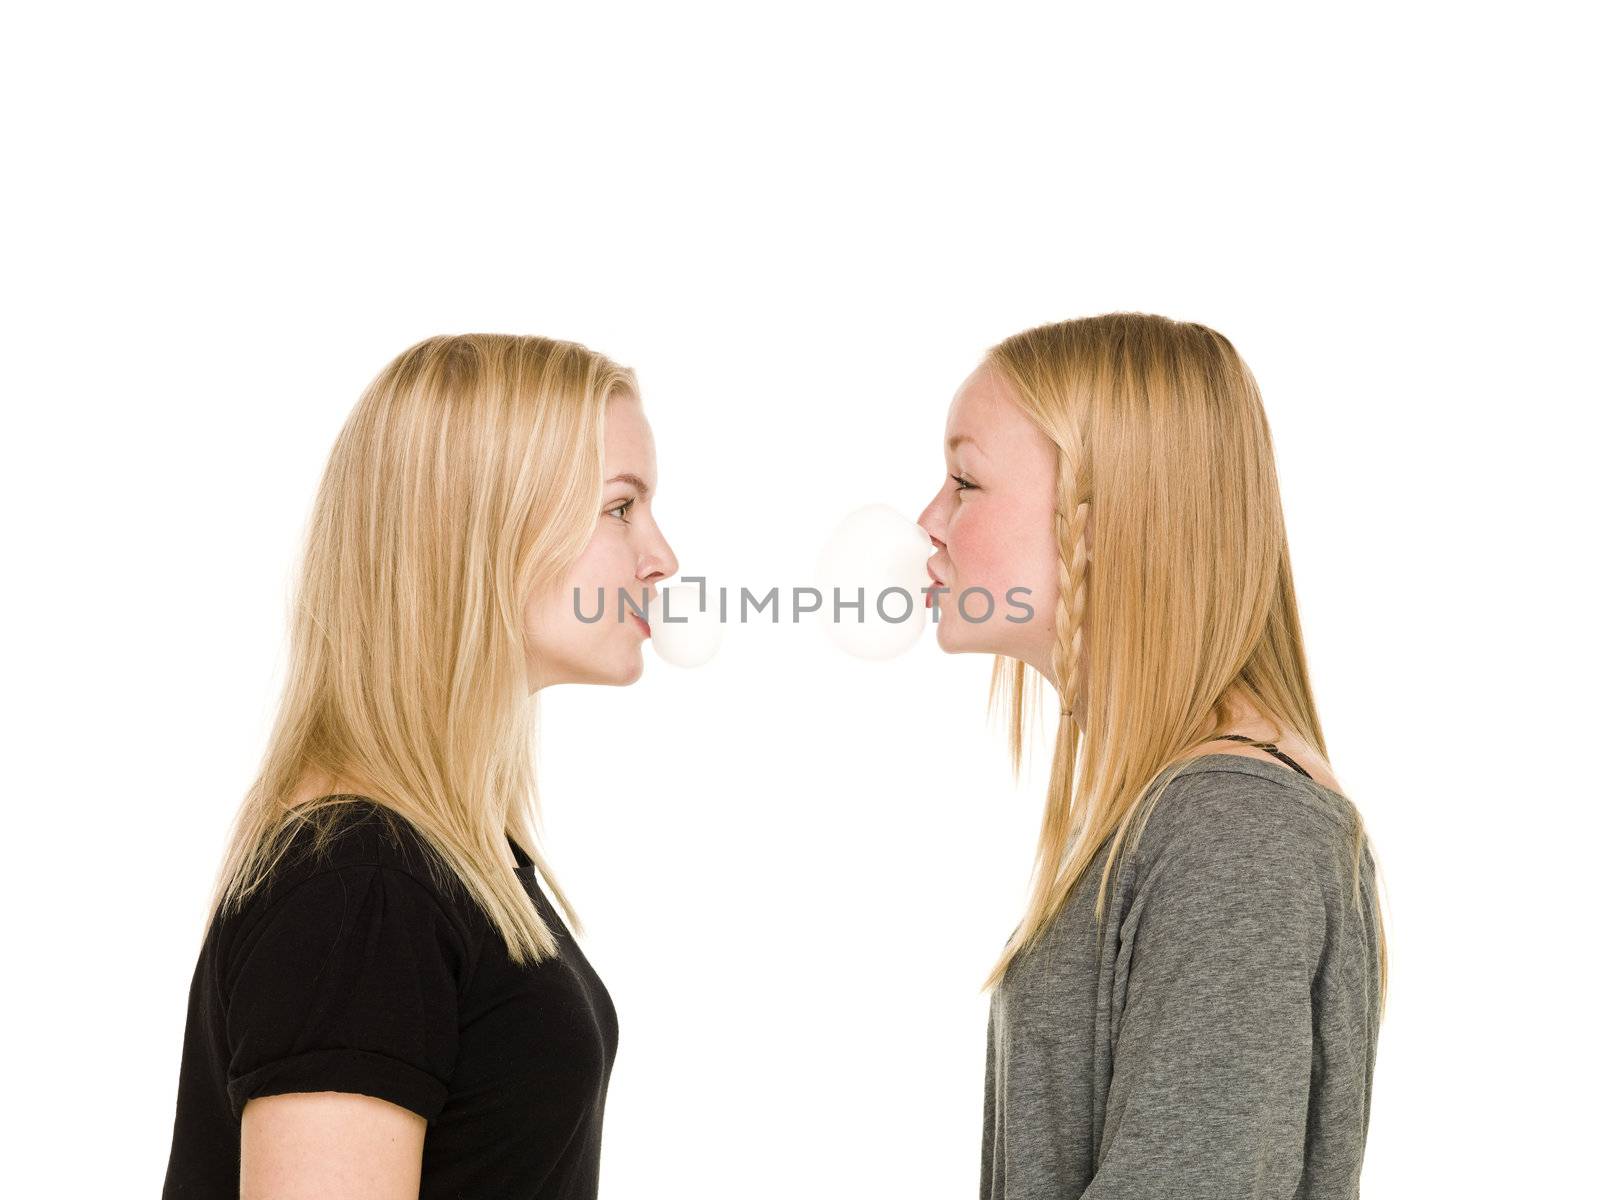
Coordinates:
[602,564]
[605,566]
[598,573]
[991,548]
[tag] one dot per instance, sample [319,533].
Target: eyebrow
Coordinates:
[629,478]
[959,438]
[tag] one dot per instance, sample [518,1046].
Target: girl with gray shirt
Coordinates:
[1190,1004]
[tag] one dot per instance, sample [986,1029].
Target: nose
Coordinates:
[932,521]
[661,563]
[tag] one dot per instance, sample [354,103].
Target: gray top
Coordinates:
[1220,1042]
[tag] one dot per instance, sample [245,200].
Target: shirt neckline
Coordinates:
[524,860]
[1254,766]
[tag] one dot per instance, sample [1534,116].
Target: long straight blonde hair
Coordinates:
[1159,428]
[468,477]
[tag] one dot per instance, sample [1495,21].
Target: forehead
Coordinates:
[983,409]
[629,443]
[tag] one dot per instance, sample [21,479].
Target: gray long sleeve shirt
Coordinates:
[1220,1042]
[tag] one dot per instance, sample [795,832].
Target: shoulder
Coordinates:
[350,885]
[356,832]
[349,848]
[1238,818]
[351,977]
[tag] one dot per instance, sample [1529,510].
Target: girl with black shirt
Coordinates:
[384,991]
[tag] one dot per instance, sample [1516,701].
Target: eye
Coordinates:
[621,510]
[962,484]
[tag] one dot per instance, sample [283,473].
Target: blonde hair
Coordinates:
[1159,426]
[468,477]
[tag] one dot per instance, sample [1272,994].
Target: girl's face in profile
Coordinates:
[626,554]
[993,527]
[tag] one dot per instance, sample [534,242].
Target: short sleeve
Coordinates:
[1213,1059]
[349,984]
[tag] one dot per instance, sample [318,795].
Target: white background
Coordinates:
[801,226]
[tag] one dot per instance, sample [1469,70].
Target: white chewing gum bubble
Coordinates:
[873,551]
[682,634]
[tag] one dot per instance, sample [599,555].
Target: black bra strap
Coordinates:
[1268,747]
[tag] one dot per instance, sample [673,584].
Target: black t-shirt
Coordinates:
[356,971]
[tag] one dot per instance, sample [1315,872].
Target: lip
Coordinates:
[934,577]
[651,599]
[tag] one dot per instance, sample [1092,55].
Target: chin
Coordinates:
[627,670]
[958,636]
[619,670]
[954,639]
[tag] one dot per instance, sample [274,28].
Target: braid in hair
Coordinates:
[1072,523]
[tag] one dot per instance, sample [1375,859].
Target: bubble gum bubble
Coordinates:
[682,634]
[872,551]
